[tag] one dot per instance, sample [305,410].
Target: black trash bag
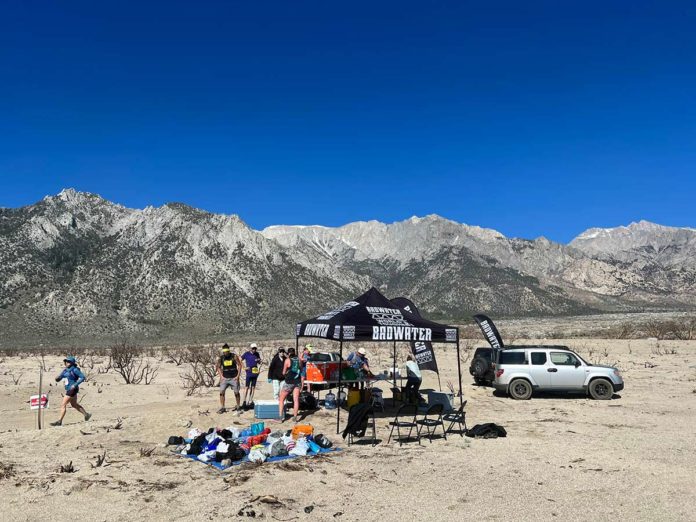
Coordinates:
[488,430]
[175,440]
[307,401]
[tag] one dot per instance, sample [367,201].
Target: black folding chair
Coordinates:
[430,422]
[405,418]
[361,418]
[456,417]
[397,395]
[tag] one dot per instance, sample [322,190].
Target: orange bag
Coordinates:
[302,430]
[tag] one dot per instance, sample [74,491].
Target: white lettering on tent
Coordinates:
[316,330]
[401,333]
[340,309]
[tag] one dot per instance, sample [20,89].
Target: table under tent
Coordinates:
[374,318]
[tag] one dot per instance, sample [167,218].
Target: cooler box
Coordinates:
[446,399]
[322,371]
[266,410]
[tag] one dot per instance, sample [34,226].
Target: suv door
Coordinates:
[538,369]
[567,371]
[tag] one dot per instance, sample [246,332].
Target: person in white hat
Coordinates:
[252,364]
[358,361]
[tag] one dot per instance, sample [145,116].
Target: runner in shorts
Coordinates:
[252,364]
[73,378]
[228,370]
[293,378]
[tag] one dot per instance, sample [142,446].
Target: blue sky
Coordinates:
[533,118]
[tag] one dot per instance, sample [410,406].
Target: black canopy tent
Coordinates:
[374,318]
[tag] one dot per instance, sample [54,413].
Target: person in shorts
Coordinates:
[73,377]
[228,370]
[292,373]
[252,364]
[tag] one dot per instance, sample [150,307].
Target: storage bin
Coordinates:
[446,399]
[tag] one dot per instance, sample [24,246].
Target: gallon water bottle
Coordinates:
[330,401]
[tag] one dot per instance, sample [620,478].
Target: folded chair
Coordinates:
[361,417]
[405,418]
[456,417]
[396,396]
[430,422]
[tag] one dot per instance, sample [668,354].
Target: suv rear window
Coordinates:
[538,358]
[512,357]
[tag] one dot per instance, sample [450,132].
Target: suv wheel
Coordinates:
[601,390]
[520,389]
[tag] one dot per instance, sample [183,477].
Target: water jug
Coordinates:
[330,401]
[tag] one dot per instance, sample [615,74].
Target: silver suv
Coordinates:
[521,371]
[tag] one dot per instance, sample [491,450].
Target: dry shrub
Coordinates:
[202,368]
[127,360]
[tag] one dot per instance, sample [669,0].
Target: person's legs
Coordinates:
[295,403]
[235,388]
[281,402]
[276,389]
[252,388]
[75,405]
[63,409]
[223,386]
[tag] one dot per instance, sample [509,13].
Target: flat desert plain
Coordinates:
[565,458]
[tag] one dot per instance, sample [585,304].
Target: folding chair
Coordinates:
[405,418]
[376,398]
[396,396]
[456,417]
[431,420]
[357,429]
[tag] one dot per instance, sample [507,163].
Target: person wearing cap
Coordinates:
[73,377]
[252,364]
[228,370]
[304,357]
[358,361]
[275,372]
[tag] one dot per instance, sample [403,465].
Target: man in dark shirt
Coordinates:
[275,372]
[229,369]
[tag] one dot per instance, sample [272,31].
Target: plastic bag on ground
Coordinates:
[301,447]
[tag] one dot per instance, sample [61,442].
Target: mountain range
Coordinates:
[75,265]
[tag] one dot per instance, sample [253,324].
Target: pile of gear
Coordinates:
[229,446]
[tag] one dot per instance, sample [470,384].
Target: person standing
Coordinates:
[252,365]
[73,378]
[275,372]
[292,374]
[414,379]
[228,369]
[304,358]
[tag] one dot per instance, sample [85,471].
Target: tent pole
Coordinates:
[394,365]
[459,371]
[340,375]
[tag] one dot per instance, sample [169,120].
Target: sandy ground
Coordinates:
[565,458]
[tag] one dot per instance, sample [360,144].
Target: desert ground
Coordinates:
[565,457]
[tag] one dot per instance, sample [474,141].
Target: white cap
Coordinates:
[253,345]
[361,351]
